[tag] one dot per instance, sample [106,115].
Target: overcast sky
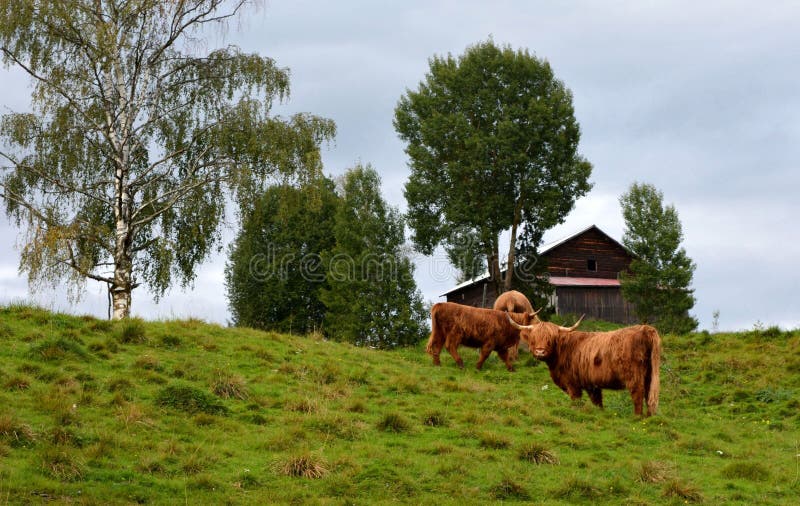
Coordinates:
[701,99]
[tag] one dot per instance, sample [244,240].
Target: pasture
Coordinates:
[183,412]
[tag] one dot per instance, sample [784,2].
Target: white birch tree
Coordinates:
[136,141]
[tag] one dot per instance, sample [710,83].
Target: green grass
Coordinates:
[93,412]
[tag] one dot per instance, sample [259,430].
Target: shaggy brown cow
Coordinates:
[626,358]
[453,325]
[514,302]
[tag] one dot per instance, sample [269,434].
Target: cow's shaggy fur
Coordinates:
[628,358]
[454,325]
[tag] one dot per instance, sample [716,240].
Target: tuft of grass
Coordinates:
[229,386]
[57,349]
[148,362]
[305,465]
[654,472]
[62,464]
[304,405]
[577,489]
[494,441]
[17,383]
[394,422]
[683,491]
[536,453]
[132,331]
[170,341]
[436,419]
[15,433]
[247,481]
[189,399]
[752,471]
[509,490]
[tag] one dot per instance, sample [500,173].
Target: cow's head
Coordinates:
[541,336]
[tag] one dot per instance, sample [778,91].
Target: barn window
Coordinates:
[591,265]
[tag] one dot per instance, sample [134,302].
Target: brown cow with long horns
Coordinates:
[453,325]
[627,358]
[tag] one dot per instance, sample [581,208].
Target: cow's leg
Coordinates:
[574,392]
[596,395]
[486,350]
[435,349]
[453,349]
[513,352]
[637,394]
[505,355]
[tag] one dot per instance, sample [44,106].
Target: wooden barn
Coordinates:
[584,271]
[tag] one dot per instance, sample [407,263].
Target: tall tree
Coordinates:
[372,299]
[275,272]
[493,146]
[660,277]
[136,141]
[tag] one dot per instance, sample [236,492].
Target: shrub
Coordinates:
[190,400]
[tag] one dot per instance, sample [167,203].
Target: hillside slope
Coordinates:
[185,412]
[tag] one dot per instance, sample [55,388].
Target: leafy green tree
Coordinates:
[136,140]
[275,272]
[493,145]
[373,299]
[660,276]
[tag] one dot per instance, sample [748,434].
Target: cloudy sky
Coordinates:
[701,99]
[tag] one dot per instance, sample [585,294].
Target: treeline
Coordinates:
[326,256]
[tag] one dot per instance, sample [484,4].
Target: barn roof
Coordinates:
[555,281]
[553,245]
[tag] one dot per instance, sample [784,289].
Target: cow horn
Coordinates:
[536,312]
[570,329]
[517,325]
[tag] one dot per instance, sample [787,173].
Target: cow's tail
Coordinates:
[655,365]
[435,331]
[429,346]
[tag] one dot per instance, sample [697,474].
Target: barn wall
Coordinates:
[599,303]
[571,258]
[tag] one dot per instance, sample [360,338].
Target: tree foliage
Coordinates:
[372,299]
[660,278]
[492,141]
[136,140]
[275,271]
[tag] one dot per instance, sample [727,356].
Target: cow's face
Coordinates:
[541,339]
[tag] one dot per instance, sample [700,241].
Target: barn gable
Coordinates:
[584,270]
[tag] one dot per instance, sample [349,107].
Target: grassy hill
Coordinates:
[93,412]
